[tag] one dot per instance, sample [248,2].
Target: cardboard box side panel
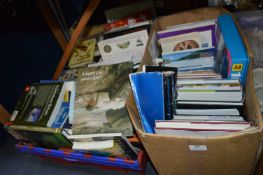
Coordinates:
[223,156]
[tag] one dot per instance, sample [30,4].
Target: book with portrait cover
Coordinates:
[99,106]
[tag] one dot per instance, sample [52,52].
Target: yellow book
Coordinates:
[83,53]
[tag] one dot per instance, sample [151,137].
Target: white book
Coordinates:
[223,87]
[210,103]
[93,145]
[209,81]
[85,136]
[191,133]
[231,96]
[202,126]
[211,118]
[129,47]
[220,112]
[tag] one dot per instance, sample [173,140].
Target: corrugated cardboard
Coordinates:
[225,155]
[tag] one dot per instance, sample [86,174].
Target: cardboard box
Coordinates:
[232,154]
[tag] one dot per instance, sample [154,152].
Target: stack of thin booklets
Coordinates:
[209,86]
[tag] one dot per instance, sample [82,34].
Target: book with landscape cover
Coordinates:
[99,106]
[39,104]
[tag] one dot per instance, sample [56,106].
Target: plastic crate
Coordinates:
[77,157]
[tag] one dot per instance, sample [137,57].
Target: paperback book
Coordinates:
[99,106]
[39,104]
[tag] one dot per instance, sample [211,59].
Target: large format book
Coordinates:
[207,33]
[114,147]
[99,107]
[233,63]
[129,47]
[42,136]
[153,97]
[205,128]
[39,104]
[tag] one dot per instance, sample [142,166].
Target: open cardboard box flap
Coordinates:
[232,154]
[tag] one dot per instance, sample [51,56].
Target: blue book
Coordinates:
[189,54]
[62,115]
[234,63]
[148,91]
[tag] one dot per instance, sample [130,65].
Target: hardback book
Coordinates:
[110,147]
[206,128]
[152,97]
[226,87]
[181,42]
[152,68]
[42,136]
[219,112]
[234,61]
[210,95]
[206,33]
[129,47]
[200,74]
[99,107]
[201,118]
[188,54]
[39,104]
[66,109]
[191,62]
[83,53]
[207,81]
[199,105]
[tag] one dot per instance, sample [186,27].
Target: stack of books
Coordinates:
[209,87]
[42,114]
[189,47]
[85,108]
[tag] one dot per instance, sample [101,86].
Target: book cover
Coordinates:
[181,42]
[83,53]
[188,54]
[39,104]
[235,56]
[207,33]
[148,92]
[129,47]
[42,136]
[99,106]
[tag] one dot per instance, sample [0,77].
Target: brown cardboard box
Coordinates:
[232,154]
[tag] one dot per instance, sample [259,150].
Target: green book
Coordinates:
[39,104]
[42,136]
